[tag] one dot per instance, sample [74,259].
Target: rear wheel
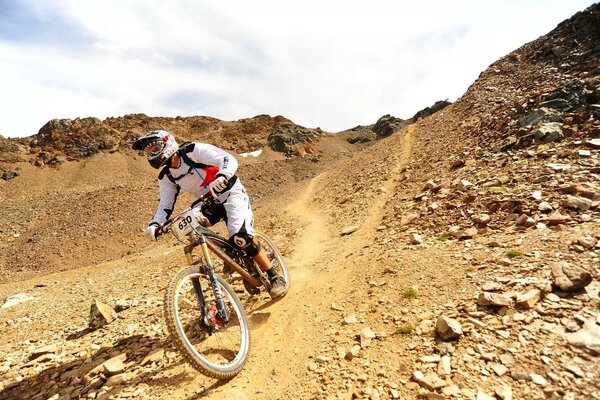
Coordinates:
[274,255]
[215,347]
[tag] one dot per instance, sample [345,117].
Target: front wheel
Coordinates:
[274,255]
[214,347]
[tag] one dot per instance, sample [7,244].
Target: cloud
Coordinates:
[190,101]
[23,22]
[322,63]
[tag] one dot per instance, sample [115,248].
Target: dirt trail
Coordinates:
[287,333]
[280,329]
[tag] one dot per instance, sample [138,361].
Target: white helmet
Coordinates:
[167,146]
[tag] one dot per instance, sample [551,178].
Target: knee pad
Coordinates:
[246,242]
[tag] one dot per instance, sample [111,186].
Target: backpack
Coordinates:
[210,171]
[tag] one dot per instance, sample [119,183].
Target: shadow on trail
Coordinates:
[80,377]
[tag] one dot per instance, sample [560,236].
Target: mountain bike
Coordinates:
[204,316]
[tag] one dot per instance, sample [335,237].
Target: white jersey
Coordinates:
[200,164]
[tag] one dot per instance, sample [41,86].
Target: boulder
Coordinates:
[570,278]
[448,328]
[287,138]
[101,314]
[387,125]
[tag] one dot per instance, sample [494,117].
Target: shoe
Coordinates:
[277,287]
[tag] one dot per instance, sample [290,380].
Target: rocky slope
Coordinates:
[455,258]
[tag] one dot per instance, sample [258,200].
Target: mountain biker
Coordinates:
[201,168]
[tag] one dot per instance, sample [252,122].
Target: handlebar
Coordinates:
[204,200]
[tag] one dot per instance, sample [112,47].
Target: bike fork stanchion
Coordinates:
[221,309]
[201,302]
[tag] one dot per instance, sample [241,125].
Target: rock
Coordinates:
[577,203]
[448,328]
[445,348]
[587,241]
[16,299]
[451,391]
[153,357]
[575,370]
[469,233]
[435,358]
[430,381]
[322,359]
[366,336]
[115,380]
[427,111]
[520,376]
[354,351]
[492,287]
[587,338]
[493,299]
[415,238]
[534,116]
[504,392]
[289,138]
[461,184]
[545,207]
[585,189]
[570,278]
[101,314]
[350,319]
[53,348]
[556,219]
[122,305]
[549,132]
[445,366]
[8,175]
[552,297]
[481,219]
[115,365]
[528,299]
[482,395]
[524,220]
[507,360]
[349,229]
[499,369]
[593,143]
[387,125]
[408,219]
[539,380]
[559,167]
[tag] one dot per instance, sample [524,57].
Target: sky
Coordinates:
[321,63]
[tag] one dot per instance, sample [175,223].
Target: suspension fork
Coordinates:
[222,312]
[201,301]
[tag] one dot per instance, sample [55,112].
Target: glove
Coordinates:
[217,186]
[153,231]
[200,217]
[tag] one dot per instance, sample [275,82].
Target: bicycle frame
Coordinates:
[209,240]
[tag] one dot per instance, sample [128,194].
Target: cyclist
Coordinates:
[201,168]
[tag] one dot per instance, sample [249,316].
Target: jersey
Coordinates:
[201,163]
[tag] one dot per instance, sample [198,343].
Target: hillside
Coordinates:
[484,214]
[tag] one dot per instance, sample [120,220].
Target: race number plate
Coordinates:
[185,223]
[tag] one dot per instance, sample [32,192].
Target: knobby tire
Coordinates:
[182,314]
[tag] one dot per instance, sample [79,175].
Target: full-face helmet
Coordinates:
[159,146]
